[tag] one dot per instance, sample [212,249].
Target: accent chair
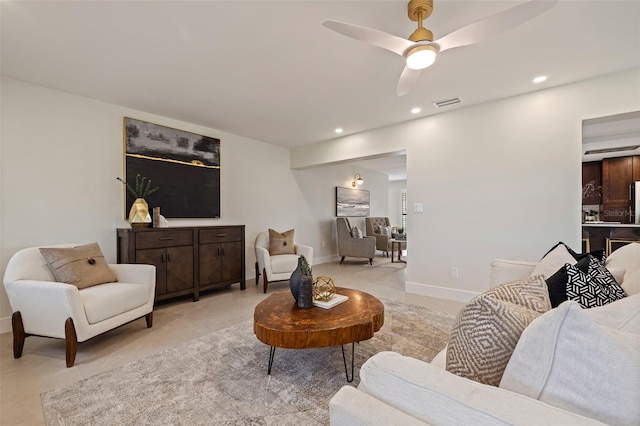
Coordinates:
[43,307]
[373,226]
[277,267]
[351,246]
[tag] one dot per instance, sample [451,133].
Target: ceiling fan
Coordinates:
[420,50]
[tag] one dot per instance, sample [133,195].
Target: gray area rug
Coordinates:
[221,378]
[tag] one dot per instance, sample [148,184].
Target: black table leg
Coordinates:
[344,358]
[272,352]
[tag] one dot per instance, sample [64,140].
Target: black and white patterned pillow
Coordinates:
[600,274]
[582,289]
[557,283]
[597,287]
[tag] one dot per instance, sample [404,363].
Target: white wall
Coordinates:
[318,186]
[396,188]
[61,154]
[501,179]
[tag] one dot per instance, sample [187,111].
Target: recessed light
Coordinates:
[339,130]
[540,79]
[415,110]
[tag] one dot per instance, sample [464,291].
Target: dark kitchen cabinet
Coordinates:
[617,176]
[592,183]
[617,180]
[187,259]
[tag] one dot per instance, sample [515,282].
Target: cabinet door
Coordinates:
[616,180]
[636,168]
[210,264]
[592,183]
[157,258]
[179,268]
[232,261]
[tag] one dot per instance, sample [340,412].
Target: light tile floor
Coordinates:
[42,366]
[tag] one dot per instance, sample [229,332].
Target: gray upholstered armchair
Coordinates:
[354,247]
[373,226]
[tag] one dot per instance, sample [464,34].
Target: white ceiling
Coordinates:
[270,70]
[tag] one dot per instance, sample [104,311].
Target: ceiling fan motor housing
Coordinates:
[421,34]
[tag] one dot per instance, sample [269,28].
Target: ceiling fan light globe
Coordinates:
[421,57]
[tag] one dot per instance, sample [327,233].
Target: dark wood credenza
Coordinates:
[188,260]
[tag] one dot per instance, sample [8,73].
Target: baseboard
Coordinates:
[326,259]
[5,325]
[439,292]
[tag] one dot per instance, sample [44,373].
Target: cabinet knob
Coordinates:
[221,235]
[165,238]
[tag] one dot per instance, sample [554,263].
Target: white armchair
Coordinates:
[43,307]
[277,267]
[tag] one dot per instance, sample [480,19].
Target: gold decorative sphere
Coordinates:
[323,288]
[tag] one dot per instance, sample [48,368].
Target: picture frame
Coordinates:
[352,202]
[184,166]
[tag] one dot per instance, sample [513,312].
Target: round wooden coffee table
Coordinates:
[279,323]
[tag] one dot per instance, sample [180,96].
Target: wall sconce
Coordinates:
[358,180]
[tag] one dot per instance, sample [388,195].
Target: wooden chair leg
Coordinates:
[257,273]
[264,280]
[71,340]
[371,261]
[149,318]
[18,334]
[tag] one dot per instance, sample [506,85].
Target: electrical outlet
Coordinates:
[418,207]
[453,273]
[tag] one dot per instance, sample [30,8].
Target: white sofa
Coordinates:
[43,307]
[546,382]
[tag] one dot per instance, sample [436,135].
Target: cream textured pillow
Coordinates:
[553,261]
[489,327]
[567,360]
[82,266]
[356,233]
[281,242]
[631,284]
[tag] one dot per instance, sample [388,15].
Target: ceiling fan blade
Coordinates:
[381,39]
[494,24]
[408,79]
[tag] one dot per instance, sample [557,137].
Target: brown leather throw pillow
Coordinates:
[281,242]
[82,266]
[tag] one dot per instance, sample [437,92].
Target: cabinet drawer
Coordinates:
[168,238]
[219,235]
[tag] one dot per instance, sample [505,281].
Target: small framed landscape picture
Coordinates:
[352,202]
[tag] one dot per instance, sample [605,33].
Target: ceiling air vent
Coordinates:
[447,102]
[608,150]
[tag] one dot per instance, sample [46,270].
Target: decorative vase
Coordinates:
[139,214]
[294,281]
[305,292]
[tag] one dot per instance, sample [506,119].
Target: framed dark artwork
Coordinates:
[352,202]
[185,166]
